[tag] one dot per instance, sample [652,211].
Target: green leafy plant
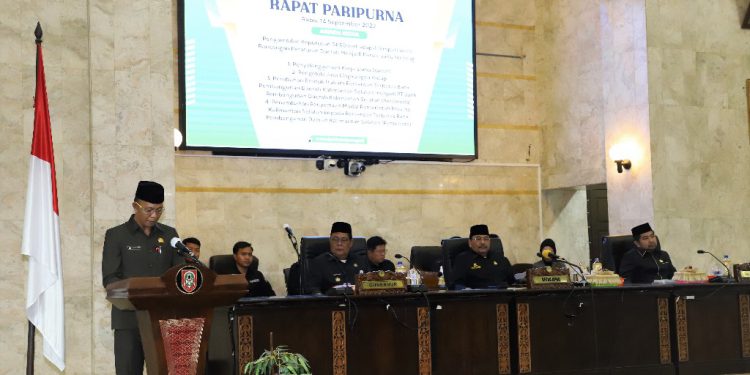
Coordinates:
[280,361]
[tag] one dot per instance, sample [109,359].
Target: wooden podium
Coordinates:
[174,313]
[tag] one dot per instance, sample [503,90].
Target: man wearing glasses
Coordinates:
[339,266]
[481,267]
[136,248]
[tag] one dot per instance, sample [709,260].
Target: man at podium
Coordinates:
[139,247]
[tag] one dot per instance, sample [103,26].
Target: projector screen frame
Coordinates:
[312,154]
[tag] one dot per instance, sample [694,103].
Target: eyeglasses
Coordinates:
[150,210]
[340,239]
[480,238]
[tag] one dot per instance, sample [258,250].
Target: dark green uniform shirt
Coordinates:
[128,252]
[326,271]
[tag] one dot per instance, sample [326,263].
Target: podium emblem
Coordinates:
[189,280]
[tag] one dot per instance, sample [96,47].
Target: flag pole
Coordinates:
[32,328]
[30,350]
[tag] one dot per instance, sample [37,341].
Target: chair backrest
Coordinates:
[220,262]
[426,258]
[613,248]
[454,246]
[520,267]
[312,246]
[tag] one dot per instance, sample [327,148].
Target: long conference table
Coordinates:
[638,329]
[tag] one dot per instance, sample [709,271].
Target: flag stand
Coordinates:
[30,350]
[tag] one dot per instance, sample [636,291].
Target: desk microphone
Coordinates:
[727,279]
[399,256]
[290,234]
[547,254]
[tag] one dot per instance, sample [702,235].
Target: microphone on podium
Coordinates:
[184,250]
[181,248]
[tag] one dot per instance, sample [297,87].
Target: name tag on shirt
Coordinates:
[133,247]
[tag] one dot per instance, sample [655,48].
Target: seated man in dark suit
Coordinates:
[337,266]
[645,262]
[376,255]
[246,264]
[481,267]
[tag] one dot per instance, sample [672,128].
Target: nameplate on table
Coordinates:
[742,272]
[547,278]
[551,279]
[381,282]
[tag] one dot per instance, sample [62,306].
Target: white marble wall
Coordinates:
[565,221]
[698,62]
[594,94]
[626,112]
[570,90]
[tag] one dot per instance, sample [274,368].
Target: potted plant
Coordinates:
[279,361]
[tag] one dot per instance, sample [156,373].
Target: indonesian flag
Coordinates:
[41,231]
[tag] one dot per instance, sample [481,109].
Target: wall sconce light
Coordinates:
[625,163]
[177,136]
[622,153]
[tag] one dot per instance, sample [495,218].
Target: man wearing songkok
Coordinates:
[337,266]
[376,255]
[137,248]
[481,267]
[645,262]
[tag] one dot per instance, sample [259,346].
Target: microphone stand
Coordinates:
[190,256]
[574,266]
[727,279]
[293,241]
